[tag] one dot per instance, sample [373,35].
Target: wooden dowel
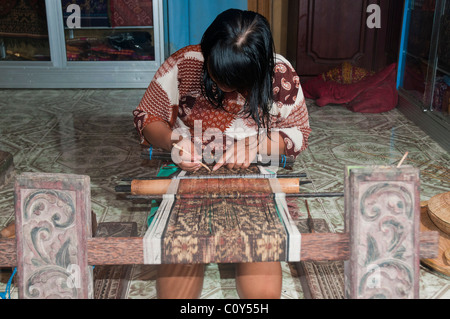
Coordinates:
[317,195]
[129,189]
[123,188]
[310,219]
[234,195]
[154,187]
[129,250]
[262,176]
[402,160]
[160,187]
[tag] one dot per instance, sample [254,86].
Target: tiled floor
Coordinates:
[91,132]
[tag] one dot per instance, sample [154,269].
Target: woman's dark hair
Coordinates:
[239,53]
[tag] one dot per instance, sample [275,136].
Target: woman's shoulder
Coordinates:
[176,62]
[189,52]
[283,66]
[286,82]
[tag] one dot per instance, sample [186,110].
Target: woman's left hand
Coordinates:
[239,155]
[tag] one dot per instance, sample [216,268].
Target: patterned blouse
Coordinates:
[175,97]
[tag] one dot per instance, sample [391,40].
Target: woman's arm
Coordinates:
[159,135]
[289,113]
[274,143]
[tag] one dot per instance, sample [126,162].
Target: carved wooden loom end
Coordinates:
[53,224]
[382,206]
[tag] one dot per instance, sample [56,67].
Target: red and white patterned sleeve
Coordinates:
[289,113]
[161,99]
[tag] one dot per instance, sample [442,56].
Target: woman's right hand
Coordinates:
[185,155]
[160,135]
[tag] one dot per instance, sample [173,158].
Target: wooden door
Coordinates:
[331,32]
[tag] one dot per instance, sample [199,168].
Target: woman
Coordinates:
[232,83]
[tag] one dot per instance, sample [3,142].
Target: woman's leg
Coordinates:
[259,280]
[180,281]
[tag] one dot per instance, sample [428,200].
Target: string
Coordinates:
[150,152]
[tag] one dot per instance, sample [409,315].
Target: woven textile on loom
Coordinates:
[196,223]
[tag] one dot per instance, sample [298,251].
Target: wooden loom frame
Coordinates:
[74,245]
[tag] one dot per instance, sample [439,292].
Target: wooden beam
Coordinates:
[280,25]
[129,250]
[8,252]
[263,7]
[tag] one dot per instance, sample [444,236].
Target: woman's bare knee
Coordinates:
[179,281]
[259,280]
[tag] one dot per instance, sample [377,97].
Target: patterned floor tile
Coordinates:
[91,132]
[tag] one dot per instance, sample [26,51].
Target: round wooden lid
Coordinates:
[439,211]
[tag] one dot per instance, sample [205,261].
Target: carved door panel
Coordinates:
[334,31]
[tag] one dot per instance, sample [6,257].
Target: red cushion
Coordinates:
[377,99]
[375,93]
[313,88]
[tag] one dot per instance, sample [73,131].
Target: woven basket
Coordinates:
[439,211]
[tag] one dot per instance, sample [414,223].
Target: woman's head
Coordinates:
[239,55]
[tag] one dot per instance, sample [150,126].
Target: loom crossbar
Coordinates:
[129,250]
